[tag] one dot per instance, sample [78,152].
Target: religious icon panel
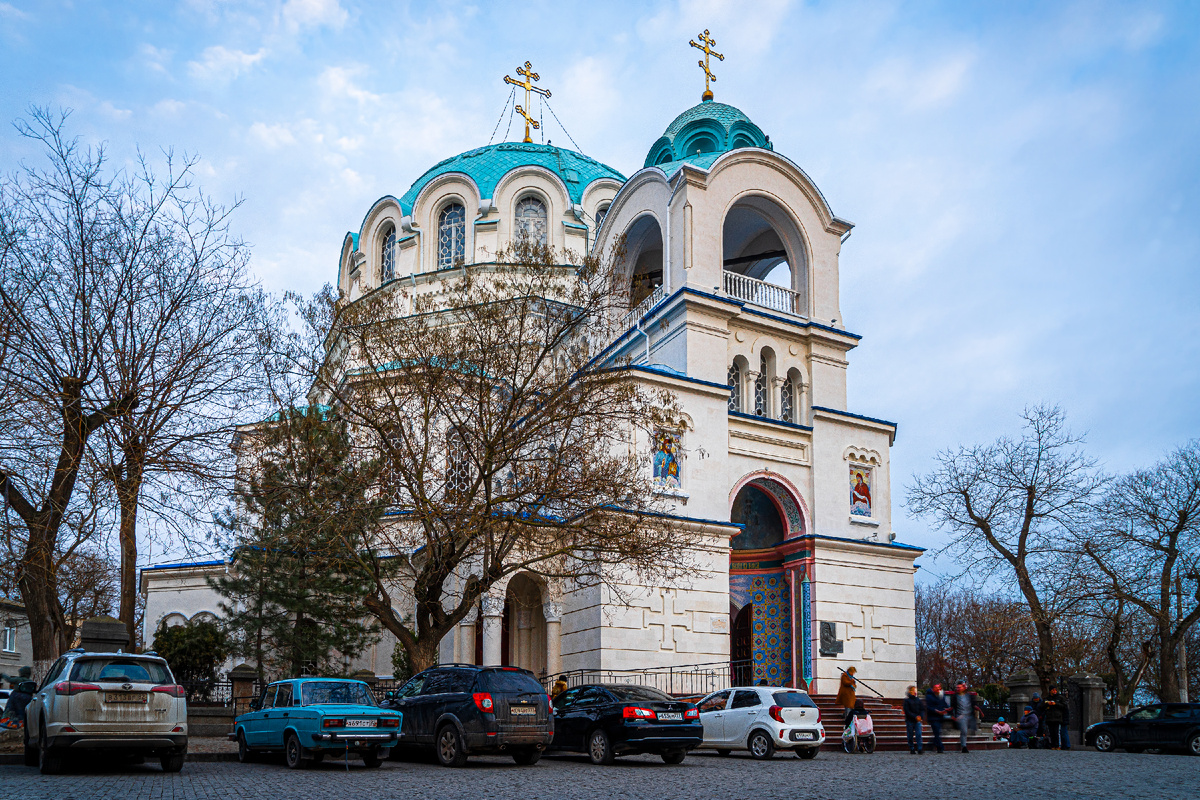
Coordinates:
[860,491]
[666,459]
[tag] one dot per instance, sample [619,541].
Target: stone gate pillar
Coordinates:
[1022,685]
[1086,703]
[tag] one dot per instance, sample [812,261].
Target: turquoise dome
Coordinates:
[706,128]
[487,165]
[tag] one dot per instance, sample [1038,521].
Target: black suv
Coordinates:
[462,710]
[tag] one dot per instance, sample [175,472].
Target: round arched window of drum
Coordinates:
[452,236]
[531,220]
[387,256]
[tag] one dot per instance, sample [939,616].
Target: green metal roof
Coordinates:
[487,165]
[706,127]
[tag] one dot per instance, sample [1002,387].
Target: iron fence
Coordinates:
[692,680]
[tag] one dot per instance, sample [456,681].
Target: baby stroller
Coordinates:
[859,734]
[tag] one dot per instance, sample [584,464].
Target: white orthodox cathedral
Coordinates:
[732,258]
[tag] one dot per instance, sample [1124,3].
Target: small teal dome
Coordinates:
[487,165]
[705,128]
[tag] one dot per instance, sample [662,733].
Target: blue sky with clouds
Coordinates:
[1025,177]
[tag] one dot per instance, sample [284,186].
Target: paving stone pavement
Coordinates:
[1011,775]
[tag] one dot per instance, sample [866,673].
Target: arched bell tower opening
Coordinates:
[643,259]
[764,257]
[767,572]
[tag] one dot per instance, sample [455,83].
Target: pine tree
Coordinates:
[293,600]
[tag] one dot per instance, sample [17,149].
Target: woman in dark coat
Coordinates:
[846,694]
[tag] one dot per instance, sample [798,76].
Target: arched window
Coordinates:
[735,387]
[452,236]
[761,400]
[601,213]
[387,256]
[787,401]
[458,467]
[531,220]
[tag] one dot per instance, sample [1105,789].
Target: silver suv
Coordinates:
[114,702]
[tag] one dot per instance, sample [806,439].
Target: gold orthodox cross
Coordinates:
[707,47]
[527,84]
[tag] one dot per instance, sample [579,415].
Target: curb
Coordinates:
[18,759]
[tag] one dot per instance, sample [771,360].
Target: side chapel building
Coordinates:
[732,258]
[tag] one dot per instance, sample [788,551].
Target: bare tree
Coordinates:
[965,633]
[87,586]
[1007,505]
[506,444]
[58,275]
[188,345]
[1147,546]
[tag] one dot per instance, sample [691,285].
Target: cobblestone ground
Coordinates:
[999,774]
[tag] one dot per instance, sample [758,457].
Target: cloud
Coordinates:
[11,12]
[299,14]
[156,58]
[272,136]
[219,64]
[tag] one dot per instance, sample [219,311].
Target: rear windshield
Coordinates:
[335,693]
[793,700]
[502,680]
[637,693]
[120,670]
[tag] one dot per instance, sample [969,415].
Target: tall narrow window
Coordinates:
[601,213]
[760,389]
[452,236]
[387,259]
[458,467]
[787,401]
[531,220]
[735,387]
[8,641]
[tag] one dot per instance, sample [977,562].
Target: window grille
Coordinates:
[787,403]
[458,467]
[531,221]
[760,389]
[387,269]
[735,387]
[452,236]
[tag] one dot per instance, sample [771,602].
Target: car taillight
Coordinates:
[173,689]
[72,688]
[776,713]
[818,714]
[334,723]
[483,701]
[633,712]
[692,713]
[389,722]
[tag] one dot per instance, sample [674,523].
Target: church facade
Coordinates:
[731,256]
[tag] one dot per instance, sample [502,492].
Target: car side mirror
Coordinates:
[390,696]
[28,687]
[255,704]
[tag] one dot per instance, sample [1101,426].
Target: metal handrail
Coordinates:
[761,293]
[860,680]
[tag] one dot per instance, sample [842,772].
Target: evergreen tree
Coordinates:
[293,600]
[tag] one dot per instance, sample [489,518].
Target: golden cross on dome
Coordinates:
[530,76]
[707,47]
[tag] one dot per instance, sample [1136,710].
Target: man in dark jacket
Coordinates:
[936,707]
[1054,714]
[14,709]
[914,715]
[964,707]
[1026,732]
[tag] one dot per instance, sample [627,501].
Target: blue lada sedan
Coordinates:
[309,718]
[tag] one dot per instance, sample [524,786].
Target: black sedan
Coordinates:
[608,720]
[1163,726]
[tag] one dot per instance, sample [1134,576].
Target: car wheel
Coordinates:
[1193,744]
[807,752]
[293,753]
[372,760]
[49,762]
[527,756]
[760,746]
[31,753]
[1105,742]
[721,751]
[172,762]
[674,756]
[245,754]
[450,750]
[599,748]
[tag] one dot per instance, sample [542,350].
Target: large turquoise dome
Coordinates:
[487,165]
[706,128]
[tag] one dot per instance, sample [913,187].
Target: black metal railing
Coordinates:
[691,680]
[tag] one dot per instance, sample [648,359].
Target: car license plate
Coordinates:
[803,736]
[521,711]
[671,716]
[125,697]
[360,723]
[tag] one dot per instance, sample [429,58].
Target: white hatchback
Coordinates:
[761,719]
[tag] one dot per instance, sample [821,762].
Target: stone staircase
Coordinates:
[889,727]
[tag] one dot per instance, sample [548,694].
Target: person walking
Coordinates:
[965,707]
[1055,711]
[846,691]
[936,708]
[914,715]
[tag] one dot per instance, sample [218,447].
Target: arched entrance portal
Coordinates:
[763,583]
[524,629]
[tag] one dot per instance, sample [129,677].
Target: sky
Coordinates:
[1024,177]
